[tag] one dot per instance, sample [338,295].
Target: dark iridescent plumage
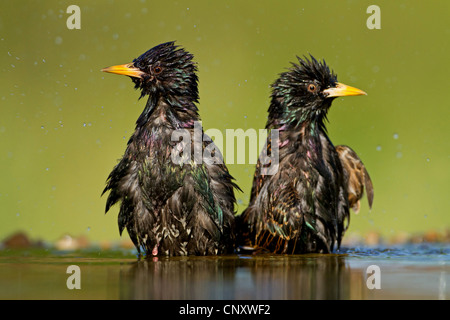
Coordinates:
[168,208]
[304,206]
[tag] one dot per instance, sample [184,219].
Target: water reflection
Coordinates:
[407,272]
[240,277]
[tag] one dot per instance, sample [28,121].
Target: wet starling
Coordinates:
[183,207]
[304,206]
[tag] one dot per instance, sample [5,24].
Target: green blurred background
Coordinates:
[64,124]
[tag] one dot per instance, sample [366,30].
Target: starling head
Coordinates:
[306,91]
[164,69]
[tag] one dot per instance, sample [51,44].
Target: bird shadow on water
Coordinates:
[238,277]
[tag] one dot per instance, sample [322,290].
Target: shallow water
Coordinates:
[406,272]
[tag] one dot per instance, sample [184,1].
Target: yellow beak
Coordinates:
[342,90]
[125,69]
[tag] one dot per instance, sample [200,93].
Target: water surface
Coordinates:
[406,272]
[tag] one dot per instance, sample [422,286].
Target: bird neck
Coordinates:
[295,119]
[302,132]
[172,111]
[288,113]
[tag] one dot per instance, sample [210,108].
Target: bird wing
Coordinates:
[247,221]
[357,177]
[203,209]
[284,219]
[279,219]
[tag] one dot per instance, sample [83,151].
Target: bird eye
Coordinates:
[157,70]
[312,87]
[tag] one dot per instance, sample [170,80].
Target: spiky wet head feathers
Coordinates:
[297,94]
[314,70]
[167,68]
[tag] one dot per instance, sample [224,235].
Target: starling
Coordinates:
[171,207]
[304,206]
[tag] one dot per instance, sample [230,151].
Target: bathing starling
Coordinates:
[303,206]
[172,202]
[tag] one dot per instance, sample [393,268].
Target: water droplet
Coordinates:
[84,124]
[88,228]
[17,214]
[42,127]
[428,159]
[395,136]
[399,154]
[46,169]
[378,148]
[115,36]
[58,40]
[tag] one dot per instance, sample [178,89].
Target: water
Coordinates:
[406,272]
